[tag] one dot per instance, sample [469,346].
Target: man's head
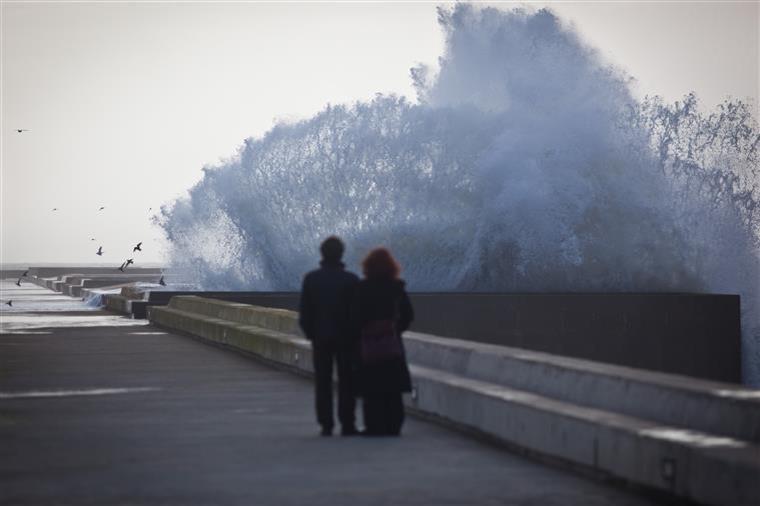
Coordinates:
[332,249]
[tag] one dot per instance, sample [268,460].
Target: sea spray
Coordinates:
[524,165]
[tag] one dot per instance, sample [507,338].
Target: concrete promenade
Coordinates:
[99,409]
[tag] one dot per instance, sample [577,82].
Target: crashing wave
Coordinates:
[524,165]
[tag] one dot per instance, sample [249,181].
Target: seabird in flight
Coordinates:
[18,283]
[129,262]
[101,208]
[55,209]
[9,303]
[19,130]
[161,281]
[100,251]
[137,248]
[122,266]
[25,274]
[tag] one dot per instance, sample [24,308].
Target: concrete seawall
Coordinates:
[50,272]
[74,284]
[694,439]
[78,290]
[691,334]
[75,281]
[137,307]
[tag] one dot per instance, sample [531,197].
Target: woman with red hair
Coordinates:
[381,311]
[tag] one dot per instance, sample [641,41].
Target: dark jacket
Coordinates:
[324,304]
[382,299]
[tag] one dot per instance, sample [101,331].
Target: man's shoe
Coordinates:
[349,431]
[326,432]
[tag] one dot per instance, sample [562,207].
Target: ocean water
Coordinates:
[524,164]
[36,310]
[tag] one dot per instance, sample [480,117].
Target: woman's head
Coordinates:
[380,264]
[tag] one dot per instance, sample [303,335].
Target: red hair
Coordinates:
[379,263]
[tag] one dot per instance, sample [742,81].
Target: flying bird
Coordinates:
[9,303]
[18,283]
[101,208]
[25,274]
[92,238]
[55,209]
[129,262]
[19,130]
[100,251]
[122,266]
[161,281]
[137,248]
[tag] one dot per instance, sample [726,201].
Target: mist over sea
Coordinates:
[524,165]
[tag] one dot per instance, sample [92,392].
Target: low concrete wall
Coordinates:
[285,300]
[74,285]
[59,284]
[44,282]
[695,335]
[118,304]
[53,277]
[49,272]
[78,290]
[717,408]
[614,420]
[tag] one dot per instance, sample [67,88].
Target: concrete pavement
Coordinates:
[119,412]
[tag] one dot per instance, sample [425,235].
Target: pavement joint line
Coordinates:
[74,393]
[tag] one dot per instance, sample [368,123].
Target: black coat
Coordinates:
[382,300]
[324,305]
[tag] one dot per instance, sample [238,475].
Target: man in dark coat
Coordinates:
[324,319]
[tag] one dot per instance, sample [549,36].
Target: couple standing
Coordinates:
[357,325]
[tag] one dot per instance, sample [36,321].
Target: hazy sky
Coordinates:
[126,102]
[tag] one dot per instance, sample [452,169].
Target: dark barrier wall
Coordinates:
[695,335]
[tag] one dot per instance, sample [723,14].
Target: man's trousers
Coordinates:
[324,356]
